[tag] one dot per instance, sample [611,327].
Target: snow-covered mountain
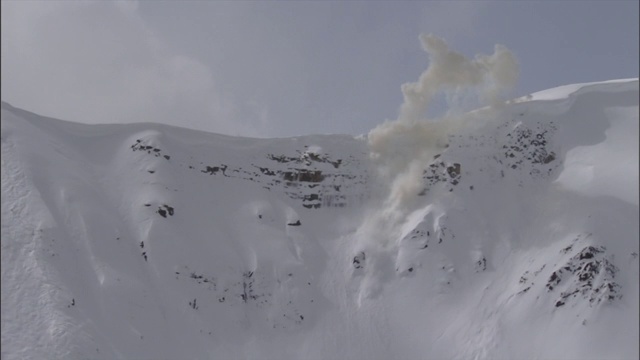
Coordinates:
[146,241]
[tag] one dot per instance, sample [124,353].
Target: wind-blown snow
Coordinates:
[149,241]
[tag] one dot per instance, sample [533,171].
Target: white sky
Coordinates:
[273,69]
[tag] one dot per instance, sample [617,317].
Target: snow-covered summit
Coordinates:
[151,241]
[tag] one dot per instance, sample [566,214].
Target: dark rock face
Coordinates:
[164,210]
[303,175]
[212,170]
[481,265]
[454,170]
[358,260]
[140,145]
[528,148]
[306,158]
[440,172]
[589,274]
[314,187]
[316,179]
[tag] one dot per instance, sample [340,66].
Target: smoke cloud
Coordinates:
[403,148]
[448,70]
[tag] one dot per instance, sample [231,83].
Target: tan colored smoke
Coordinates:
[402,148]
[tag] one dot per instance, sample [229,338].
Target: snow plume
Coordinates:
[403,148]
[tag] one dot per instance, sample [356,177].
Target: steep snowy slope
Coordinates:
[148,241]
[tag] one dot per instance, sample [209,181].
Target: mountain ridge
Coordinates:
[149,241]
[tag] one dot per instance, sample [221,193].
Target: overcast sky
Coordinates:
[275,69]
